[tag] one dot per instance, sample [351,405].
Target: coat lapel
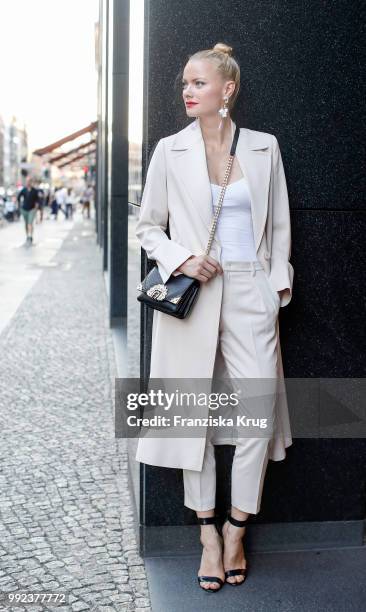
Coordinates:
[254,157]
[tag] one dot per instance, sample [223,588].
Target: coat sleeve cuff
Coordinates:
[169,256]
[281,278]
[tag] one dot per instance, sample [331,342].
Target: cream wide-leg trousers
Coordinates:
[247,345]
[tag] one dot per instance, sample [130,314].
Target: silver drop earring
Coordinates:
[223,111]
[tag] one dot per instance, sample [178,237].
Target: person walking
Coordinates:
[41,202]
[88,197]
[28,199]
[9,208]
[233,329]
[54,204]
[70,201]
[61,195]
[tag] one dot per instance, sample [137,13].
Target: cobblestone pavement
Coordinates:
[66,509]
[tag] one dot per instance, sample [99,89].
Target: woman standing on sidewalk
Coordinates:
[233,327]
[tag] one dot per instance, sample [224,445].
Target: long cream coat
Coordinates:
[178,181]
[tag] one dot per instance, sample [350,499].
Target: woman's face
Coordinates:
[204,87]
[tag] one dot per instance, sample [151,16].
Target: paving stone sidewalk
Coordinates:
[66,510]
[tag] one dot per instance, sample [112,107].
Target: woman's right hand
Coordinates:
[202,267]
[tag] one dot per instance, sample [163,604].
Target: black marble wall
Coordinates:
[301,80]
[117,162]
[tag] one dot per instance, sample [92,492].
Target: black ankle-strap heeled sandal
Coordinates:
[243,571]
[210,520]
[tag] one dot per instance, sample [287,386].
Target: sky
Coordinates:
[47,66]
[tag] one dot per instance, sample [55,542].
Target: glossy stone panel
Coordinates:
[320,480]
[163,496]
[328,485]
[300,80]
[323,332]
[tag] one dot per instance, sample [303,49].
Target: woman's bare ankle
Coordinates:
[205,513]
[239,515]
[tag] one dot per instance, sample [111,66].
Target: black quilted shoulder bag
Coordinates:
[178,294]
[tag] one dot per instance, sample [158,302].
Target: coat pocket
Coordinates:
[270,302]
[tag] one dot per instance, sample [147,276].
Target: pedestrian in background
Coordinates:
[54,204]
[61,195]
[28,199]
[9,209]
[70,201]
[88,195]
[41,203]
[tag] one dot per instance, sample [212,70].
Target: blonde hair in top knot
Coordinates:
[226,64]
[224,48]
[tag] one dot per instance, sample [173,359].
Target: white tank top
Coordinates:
[235,226]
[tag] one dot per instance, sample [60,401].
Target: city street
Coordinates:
[67,517]
[135,143]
